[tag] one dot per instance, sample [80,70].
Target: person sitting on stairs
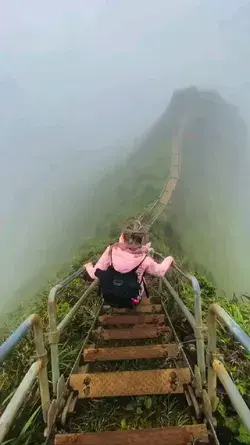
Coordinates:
[121,269]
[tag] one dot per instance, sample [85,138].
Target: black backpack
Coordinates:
[119,288]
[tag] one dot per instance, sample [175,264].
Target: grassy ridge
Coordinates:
[141,176]
[123,193]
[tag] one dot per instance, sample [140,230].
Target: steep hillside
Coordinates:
[207,208]
[208,219]
[136,182]
[200,226]
[207,212]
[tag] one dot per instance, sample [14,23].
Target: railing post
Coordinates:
[233,393]
[190,318]
[199,328]
[212,340]
[18,398]
[54,337]
[67,319]
[43,373]
[34,321]
[37,370]
[54,330]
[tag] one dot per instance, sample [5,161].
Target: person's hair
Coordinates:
[131,237]
[134,232]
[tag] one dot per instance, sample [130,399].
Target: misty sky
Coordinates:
[86,75]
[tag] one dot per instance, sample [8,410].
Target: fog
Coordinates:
[78,82]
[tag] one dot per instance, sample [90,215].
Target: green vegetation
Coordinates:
[130,413]
[209,213]
[123,193]
[236,359]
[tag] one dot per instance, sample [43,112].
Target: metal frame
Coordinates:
[234,395]
[199,329]
[195,321]
[56,330]
[216,368]
[190,318]
[198,391]
[38,368]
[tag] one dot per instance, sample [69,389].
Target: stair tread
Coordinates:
[131,352]
[130,383]
[179,435]
[149,308]
[117,319]
[145,301]
[145,309]
[141,308]
[132,333]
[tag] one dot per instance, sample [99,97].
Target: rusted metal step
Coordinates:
[146,308]
[133,333]
[179,435]
[151,300]
[131,352]
[130,383]
[107,320]
[149,308]
[145,301]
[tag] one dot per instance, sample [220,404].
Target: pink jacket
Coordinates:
[125,258]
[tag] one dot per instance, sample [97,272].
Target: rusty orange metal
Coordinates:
[132,333]
[149,308]
[179,435]
[145,301]
[130,383]
[146,308]
[107,320]
[131,352]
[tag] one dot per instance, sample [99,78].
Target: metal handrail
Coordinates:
[54,329]
[38,368]
[194,321]
[18,398]
[180,303]
[198,321]
[216,368]
[233,393]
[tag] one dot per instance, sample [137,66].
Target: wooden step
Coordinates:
[143,308]
[130,383]
[130,352]
[152,300]
[149,308]
[133,333]
[108,320]
[145,301]
[179,435]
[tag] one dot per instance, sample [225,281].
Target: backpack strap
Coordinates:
[142,278]
[137,267]
[145,287]
[111,260]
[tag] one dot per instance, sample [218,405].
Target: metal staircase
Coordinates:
[141,325]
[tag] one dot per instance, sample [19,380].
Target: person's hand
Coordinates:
[87,265]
